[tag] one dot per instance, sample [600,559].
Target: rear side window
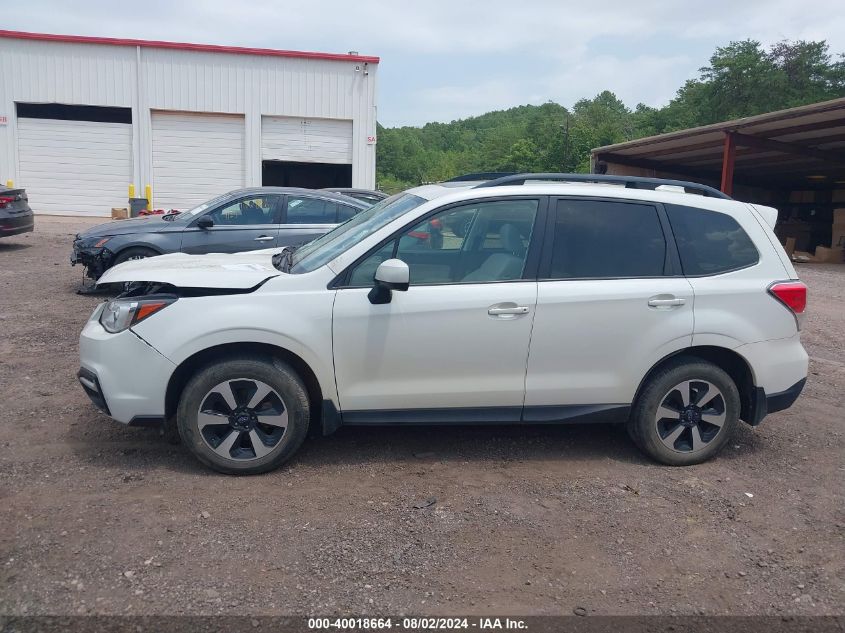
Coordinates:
[710,242]
[595,239]
[304,210]
[345,212]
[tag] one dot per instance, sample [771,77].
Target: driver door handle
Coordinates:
[264,238]
[506,309]
[665,302]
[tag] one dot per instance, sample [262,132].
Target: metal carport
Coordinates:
[792,159]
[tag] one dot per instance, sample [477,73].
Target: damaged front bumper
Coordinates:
[95,260]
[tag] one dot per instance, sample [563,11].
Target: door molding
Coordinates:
[555,414]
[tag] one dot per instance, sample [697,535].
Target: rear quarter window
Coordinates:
[710,242]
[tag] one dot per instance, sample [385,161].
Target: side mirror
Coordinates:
[205,222]
[391,274]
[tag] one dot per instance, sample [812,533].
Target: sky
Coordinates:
[442,61]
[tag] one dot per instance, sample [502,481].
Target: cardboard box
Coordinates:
[801,231]
[830,255]
[119,213]
[837,235]
[789,247]
[839,216]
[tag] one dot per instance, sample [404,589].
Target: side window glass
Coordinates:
[364,273]
[246,211]
[345,212]
[599,239]
[480,242]
[304,210]
[710,242]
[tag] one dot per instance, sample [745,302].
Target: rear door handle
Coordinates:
[663,301]
[264,238]
[506,309]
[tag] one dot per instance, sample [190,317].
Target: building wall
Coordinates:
[145,79]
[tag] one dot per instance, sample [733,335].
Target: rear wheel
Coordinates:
[244,416]
[685,413]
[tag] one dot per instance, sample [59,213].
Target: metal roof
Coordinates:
[207,48]
[781,149]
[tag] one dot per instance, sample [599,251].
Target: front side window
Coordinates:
[304,210]
[595,239]
[474,243]
[337,241]
[710,242]
[245,212]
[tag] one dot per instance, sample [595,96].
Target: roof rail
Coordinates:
[630,182]
[481,175]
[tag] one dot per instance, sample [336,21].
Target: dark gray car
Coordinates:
[369,196]
[241,220]
[15,214]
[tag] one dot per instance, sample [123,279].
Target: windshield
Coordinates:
[205,205]
[324,249]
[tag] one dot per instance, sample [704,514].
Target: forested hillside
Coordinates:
[741,79]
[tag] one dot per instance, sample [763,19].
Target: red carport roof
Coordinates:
[182,46]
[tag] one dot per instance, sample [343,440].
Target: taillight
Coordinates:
[5,201]
[792,294]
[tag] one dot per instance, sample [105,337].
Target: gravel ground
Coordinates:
[99,518]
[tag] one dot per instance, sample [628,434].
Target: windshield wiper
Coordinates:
[170,215]
[283,260]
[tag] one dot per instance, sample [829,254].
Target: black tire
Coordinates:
[273,373]
[134,252]
[652,435]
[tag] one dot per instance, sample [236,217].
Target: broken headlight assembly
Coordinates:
[92,242]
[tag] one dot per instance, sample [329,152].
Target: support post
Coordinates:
[728,157]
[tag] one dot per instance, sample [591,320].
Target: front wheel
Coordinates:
[135,252]
[244,416]
[685,413]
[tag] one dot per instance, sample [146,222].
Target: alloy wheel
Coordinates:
[690,416]
[242,419]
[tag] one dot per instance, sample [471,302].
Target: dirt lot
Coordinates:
[98,518]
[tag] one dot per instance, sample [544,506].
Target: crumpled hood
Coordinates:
[144,224]
[216,270]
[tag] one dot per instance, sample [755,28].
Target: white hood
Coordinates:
[216,270]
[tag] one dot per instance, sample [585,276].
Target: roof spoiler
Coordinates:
[630,182]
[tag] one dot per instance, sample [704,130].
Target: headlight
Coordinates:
[120,314]
[93,242]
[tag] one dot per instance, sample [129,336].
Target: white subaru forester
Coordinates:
[541,298]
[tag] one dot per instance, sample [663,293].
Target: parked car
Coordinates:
[365,195]
[241,220]
[15,215]
[662,305]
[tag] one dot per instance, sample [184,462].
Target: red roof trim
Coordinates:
[207,48]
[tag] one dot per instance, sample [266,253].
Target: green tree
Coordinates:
[741,79]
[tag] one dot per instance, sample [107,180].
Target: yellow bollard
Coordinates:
[10,183]
[148,194]
[132,190]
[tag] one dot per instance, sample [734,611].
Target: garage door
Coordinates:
[74,167]
[306,140]
[195,157]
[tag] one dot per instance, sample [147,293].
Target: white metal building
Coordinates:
[82,118]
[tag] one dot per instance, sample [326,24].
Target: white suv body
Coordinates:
[514,303]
